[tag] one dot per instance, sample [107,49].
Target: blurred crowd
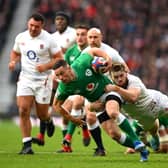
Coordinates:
[138,29]
[7,8]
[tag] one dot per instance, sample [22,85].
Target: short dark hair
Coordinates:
[60,63]
[38,17]
[63,14]
[82,26]
[117,67]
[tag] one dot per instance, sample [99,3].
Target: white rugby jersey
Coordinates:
[115,56]
[65,39]
[34,51]
[145,109]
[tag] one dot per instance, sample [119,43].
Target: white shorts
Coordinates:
[161,100]
[40,89]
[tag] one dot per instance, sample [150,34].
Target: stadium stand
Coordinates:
[16,23]
[7,8]
[137,29]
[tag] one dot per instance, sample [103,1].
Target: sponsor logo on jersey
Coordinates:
[72,58]
[90,86]
[31,54]
[88,72]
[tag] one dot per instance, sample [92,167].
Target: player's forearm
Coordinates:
[57,105]
[14,57]
[51,63]
[128,95]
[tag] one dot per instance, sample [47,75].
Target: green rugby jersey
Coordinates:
[72,53]
[87,83]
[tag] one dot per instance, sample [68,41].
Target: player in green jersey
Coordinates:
[75,103]
[81,79]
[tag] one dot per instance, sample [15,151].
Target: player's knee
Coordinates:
[91,118]
[24,112]
[113,114]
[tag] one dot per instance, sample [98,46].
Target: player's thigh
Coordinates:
[68,104]
[78,102]
[25,95]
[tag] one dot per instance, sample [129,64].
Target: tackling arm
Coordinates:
[131,94]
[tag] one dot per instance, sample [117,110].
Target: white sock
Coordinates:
[93,126]
[120,118]
[26,139]
[76,113]
[122,138]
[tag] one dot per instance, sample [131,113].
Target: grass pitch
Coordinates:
[81,157]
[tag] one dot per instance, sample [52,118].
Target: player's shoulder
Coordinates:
[72,48]
[108,48]
[70,29]
[133,78]
[86,49]
[23,35]
[45,34]
[55,34]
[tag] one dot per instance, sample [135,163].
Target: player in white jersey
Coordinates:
[66,37]
[65,34]
[140,103]
[37,51]
[95,40]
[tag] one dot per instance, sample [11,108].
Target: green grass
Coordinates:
[81,157]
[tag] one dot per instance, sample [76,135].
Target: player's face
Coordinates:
[81,37]
[94,39]
[34,27]
[61,23]
[63,74]
[120,78]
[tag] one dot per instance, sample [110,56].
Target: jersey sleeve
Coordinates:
[61,93]
[69,39]
[116,57]
[135,82]
[54,47]
[68,42]
[16,47]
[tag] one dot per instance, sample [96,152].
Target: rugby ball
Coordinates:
[99,64]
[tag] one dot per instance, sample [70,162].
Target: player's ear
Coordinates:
[68,67]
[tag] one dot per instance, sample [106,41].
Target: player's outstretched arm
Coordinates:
[57,106]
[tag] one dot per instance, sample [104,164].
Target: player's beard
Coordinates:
[34,33]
